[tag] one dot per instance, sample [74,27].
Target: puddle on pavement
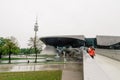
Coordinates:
[38,67]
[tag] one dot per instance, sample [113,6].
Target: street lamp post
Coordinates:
[35,47]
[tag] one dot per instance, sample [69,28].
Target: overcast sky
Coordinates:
[58,17]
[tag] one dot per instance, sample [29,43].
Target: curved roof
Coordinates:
[74,41]
[81,37]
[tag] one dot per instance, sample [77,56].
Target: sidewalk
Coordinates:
[71,75]
[110,66]
[72,72]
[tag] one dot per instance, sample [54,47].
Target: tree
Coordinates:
[26,50]
[38,48]
[2,42]
[10,47]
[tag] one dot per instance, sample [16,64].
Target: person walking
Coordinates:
[91,52]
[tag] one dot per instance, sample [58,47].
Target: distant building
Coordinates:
[90,42]
[107,41]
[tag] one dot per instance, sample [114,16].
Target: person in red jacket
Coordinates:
[91,52]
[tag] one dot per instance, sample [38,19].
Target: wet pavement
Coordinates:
[22,61]
[75,73]
[39,67]
[29,67]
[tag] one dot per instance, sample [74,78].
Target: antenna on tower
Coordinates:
[36,24]
[36,19]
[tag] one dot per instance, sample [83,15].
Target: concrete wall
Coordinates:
[114,54]
[49,50]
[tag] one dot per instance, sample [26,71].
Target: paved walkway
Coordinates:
[71,75]
[72,72]
[110,66]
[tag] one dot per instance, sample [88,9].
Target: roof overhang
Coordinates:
[74,41]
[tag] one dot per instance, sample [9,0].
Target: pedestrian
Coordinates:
[28,61]
[91,52]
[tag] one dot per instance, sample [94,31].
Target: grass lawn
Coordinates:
[32,75]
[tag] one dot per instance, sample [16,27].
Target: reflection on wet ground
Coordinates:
[22,61]
[38,67]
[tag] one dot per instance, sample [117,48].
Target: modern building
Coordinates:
[64,41]
[108,41]
[79,40]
